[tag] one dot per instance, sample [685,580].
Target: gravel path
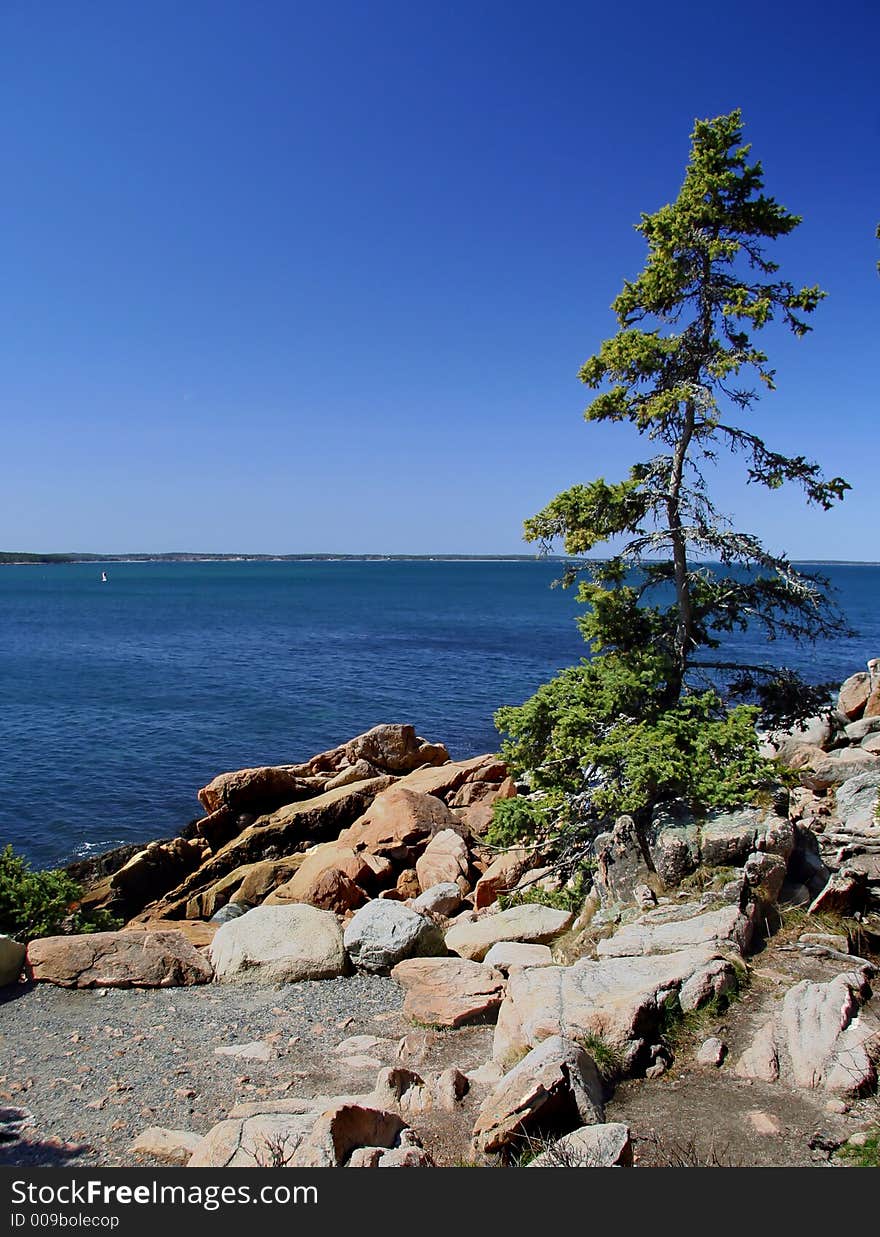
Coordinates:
[97,1067]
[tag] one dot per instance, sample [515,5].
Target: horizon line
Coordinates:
[49,558]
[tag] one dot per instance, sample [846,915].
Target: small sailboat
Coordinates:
[103,577]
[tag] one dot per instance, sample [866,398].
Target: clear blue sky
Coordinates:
[319,276]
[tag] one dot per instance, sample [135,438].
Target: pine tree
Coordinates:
[684,369]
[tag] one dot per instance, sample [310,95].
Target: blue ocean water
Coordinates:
[119,700]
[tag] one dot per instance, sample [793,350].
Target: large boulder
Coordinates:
[854,694]
[259,790]
[592,1146]
[395,748]
[117,960]
[728,838]
[864,728]
[383,933]
[838,767]
[621,862]
[443,899]
[331,876]
[670,929]
[398,821]
[855,800]
[331,890]
[555,1086]
[448,992]
[502,875]
[530,923]
[766,876]
[621,1000]
[819,1038]
[509,954]
[674,846]
[444,859]
[279,945]
[11,960]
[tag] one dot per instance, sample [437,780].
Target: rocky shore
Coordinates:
[320,973]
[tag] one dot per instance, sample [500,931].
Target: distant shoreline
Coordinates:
[52,560]
[16,559]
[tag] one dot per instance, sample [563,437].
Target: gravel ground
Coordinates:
[95,1068]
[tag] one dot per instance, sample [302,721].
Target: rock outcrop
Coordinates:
[360,858]
[671,929]
[117,960]
[555,1086]
[819,1039]
[333,832]
[621,1000]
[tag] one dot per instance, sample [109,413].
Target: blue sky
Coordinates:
[320,276]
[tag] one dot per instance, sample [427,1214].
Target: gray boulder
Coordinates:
[728,838]
[856,799]
[675,843]
[592,1146]
[11,960]
[865,726]
[443,899]
[383,933]
[279,945]
[671,929]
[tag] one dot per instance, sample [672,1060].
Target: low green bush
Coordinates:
[600,720]
[571,898]
[42,903]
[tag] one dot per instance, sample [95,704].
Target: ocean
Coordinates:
[119,700]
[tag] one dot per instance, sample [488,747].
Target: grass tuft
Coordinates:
[607,1056]
[867,1156]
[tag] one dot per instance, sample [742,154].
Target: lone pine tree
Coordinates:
[647,715]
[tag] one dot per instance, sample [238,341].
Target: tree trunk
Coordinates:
[684,632]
